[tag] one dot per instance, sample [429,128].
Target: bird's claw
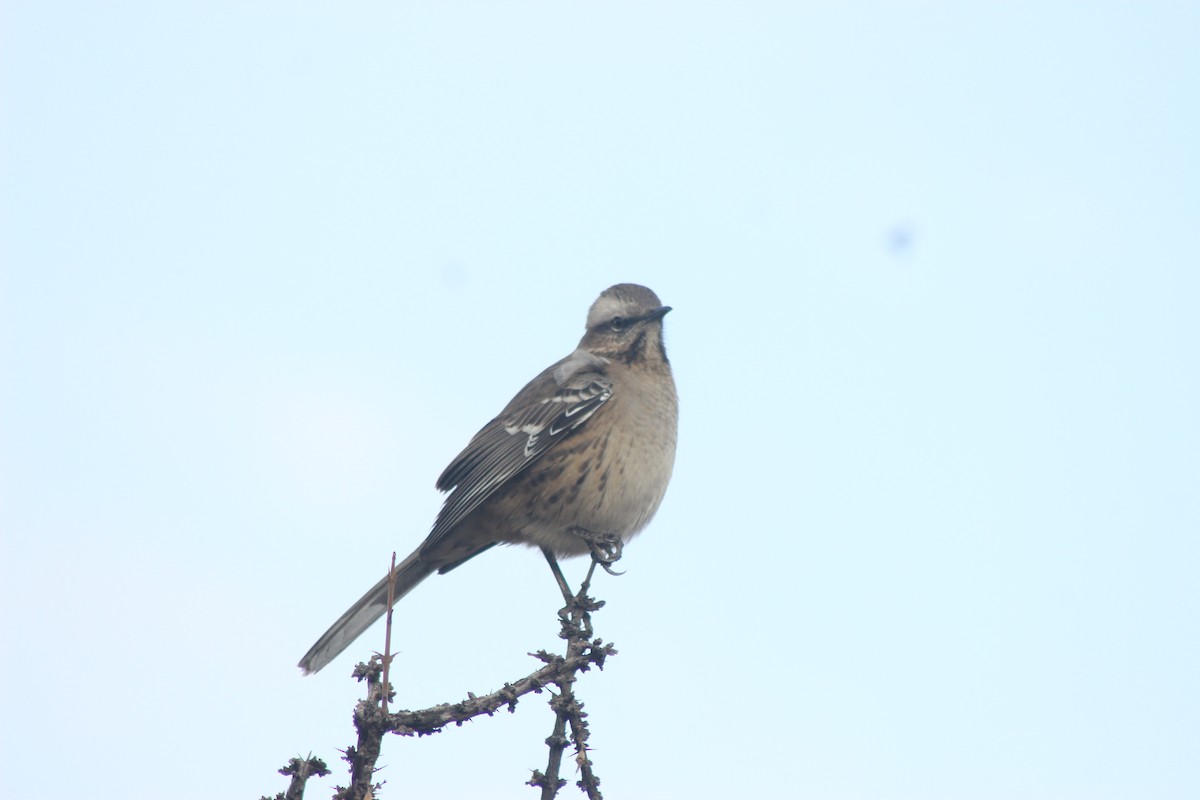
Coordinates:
[605,548]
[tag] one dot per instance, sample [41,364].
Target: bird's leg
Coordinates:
[558,576]
[604,547]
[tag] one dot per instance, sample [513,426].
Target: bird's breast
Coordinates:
[610,476]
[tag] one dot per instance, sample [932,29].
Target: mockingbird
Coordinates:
[577,462]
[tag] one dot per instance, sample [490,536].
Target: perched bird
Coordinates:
[585,450]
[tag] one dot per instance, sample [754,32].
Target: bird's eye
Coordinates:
[618,323]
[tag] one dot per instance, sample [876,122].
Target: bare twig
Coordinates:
[300,770]
[576,621]
[371,724]
[387,636]
[372,720]
[548,781]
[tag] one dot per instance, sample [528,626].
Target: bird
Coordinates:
[580,456]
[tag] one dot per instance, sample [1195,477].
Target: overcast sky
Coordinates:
[266,267]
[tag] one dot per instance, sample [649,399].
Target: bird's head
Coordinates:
[625,324]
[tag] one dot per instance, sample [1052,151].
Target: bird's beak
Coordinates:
[658,313]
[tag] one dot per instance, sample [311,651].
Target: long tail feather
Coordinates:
[362,614]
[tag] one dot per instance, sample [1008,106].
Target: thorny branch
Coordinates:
[300,770]
[372,720]
[576,620]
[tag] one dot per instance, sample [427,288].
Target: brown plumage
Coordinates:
[589,443]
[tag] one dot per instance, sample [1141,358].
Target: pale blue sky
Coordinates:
[266,267]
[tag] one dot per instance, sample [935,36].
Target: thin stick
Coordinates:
[387,636]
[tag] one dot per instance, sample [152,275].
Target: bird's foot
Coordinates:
[604,547]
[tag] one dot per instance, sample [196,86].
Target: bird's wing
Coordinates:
[549,408]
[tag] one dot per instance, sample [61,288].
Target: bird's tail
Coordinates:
[362,614]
